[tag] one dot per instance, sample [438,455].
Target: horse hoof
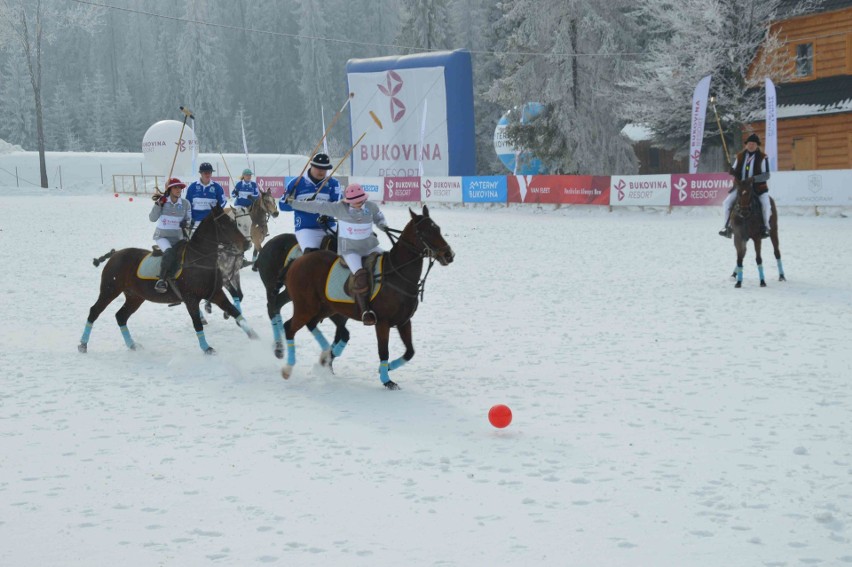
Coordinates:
[226,316]
[279,351]
[781,278]
[210,350]
[325,358]
[203,321]
[254,268]
[208,307]
[762,283]
[82,348]
[253,336]
[738,284]
[391,385]
[286,372]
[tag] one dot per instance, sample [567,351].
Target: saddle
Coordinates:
[149,267]
[339,279]
[369,263]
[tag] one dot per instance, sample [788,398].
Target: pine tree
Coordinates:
[567,56]
[426,25]
[694,38]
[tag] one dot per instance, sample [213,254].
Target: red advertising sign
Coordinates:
[700,189]
[558,189]
[225,182]
[274,184]
[402,189]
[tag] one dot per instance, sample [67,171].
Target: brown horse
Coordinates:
[394,305]
[200,278]
[747,223]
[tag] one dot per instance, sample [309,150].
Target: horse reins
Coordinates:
[427,252]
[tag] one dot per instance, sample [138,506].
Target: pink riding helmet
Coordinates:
[354,194]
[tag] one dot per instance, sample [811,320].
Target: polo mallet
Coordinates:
[358,141]
[327,130]
[719,124]
[186,114]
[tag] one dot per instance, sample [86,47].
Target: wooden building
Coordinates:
[814,110]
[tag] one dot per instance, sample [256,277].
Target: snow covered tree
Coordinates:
[30,26]
[426,25]
[690,39]
[16,116]
[567,55]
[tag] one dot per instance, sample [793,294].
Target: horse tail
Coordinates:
[97,261]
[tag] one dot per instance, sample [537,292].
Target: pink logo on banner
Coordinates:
[620,188]
[427,185]
[225,182]
[700,189]
[275,185]
[393,86]
[402,189]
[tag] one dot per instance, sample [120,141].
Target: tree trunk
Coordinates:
[42,163]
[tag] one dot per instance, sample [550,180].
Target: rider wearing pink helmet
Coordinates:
[355,239]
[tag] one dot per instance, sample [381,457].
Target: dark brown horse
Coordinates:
[271,264]
[200,279]
[747,223]
[394,305]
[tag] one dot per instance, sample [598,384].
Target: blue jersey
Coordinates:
[203,198]
[244,193]
[330,193]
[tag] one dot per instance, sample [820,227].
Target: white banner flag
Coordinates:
[245,146]
[322,133]
[699,111]
[770,140]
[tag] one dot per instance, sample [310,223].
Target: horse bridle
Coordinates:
[739,210]
[427,251]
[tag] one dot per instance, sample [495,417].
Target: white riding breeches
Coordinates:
[310,238]
[727,205]
[163,243]
[355,261]
[767,208]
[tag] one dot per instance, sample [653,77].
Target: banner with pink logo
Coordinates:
[700,189]
[398,90]
[558,189]
[225,182]
[272,183]
[441,189]
[405,189]
[699,112]
[640,190]
[770,140]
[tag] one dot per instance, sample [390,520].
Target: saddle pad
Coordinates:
[294,253]
[338,275]
[149,267]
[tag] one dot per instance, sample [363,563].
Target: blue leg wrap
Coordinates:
[780,267]
[291,353]
[86,332]
[277,328]
[237,305]
[337,348]
[739,274]
[128,340]
[760,271]
[383,372]
[396,363]
[320,338]
[202,341]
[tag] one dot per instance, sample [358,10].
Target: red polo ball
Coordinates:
[130,198]
[500,416]
[116,194]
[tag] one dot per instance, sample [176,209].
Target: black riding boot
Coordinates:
[361,292]
[168,263]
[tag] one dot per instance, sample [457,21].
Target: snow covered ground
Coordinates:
[661,417]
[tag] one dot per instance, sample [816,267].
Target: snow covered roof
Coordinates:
[813,98]
[785,6]
[637,132]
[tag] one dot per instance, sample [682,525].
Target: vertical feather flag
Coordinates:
[770,147]
[699,112]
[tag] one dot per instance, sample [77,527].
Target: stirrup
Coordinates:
[764,232]
[161,286]
[368,317]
